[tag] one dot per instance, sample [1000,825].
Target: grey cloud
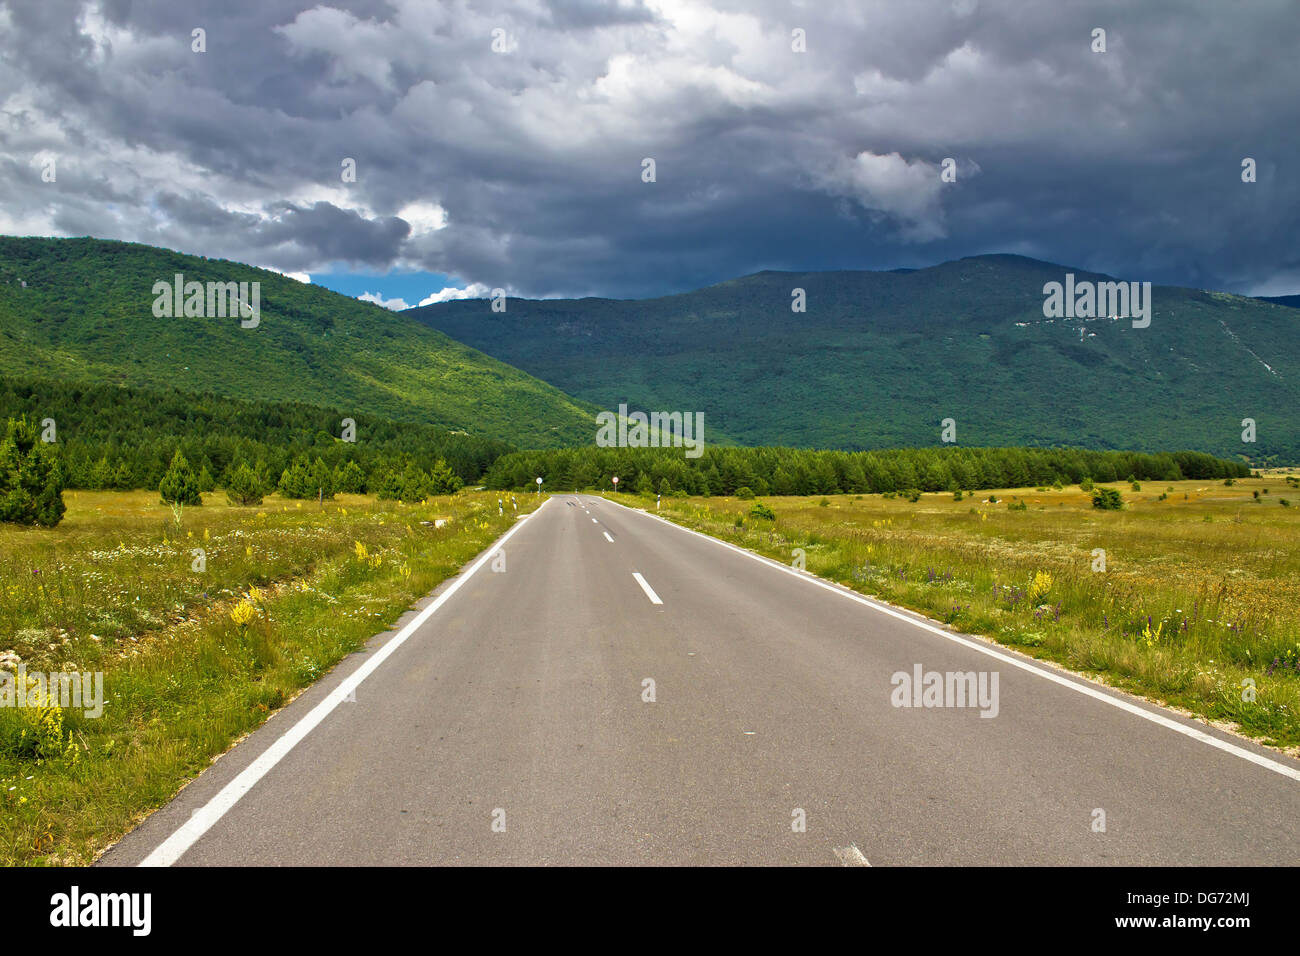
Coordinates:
[1125,162]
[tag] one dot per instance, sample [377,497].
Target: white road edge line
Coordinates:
[175,846]
[850,855]
[607,537]
[649,591]
[1086,690]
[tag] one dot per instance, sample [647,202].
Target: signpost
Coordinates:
[616,484]
[539,487]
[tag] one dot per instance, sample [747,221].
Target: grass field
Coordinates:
[192,659]
[1200,594]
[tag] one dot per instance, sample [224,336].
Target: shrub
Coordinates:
[912,494]
[415,484]
[389,487]
[244,486]
[349,478]
[760,510]
[745,493]
[1017,506]
[1085,484]
[1107,499]
[180,485]
[304,480]
[31,489]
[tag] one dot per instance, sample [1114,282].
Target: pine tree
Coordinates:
[389,486]
[206,481]
[244,487]
[296,480]
[349,478]
[30,489]
[442,480]
[320,480]
[180,485]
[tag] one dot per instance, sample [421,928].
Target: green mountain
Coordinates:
[879,359]
[84,310]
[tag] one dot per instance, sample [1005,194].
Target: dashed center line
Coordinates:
[649,591]
[607,537]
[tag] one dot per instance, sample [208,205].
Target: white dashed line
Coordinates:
[1079,688]
[850,856]
[649,591]
[607,537]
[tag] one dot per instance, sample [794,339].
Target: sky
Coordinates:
[504,145]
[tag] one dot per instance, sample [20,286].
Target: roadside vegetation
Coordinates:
[204,621]
[1194,603]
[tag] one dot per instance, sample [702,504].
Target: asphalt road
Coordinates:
[510,726]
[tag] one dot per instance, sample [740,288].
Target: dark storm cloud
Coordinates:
[522,168]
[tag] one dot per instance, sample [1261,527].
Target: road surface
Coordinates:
[511,724]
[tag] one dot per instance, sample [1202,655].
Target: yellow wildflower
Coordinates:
[242,613]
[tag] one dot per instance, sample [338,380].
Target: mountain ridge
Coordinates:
[881,358]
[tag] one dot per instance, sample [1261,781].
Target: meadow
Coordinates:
[1197,606]
[1195,602]
[195,653]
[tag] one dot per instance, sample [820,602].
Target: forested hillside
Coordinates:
[82,310]
[880,359]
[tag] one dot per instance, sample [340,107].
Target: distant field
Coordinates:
[112,589]
[1201,590]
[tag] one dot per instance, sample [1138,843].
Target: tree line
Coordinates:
[793,471]
[111,437]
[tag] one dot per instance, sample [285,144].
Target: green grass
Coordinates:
[111,589]
[1201,589]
